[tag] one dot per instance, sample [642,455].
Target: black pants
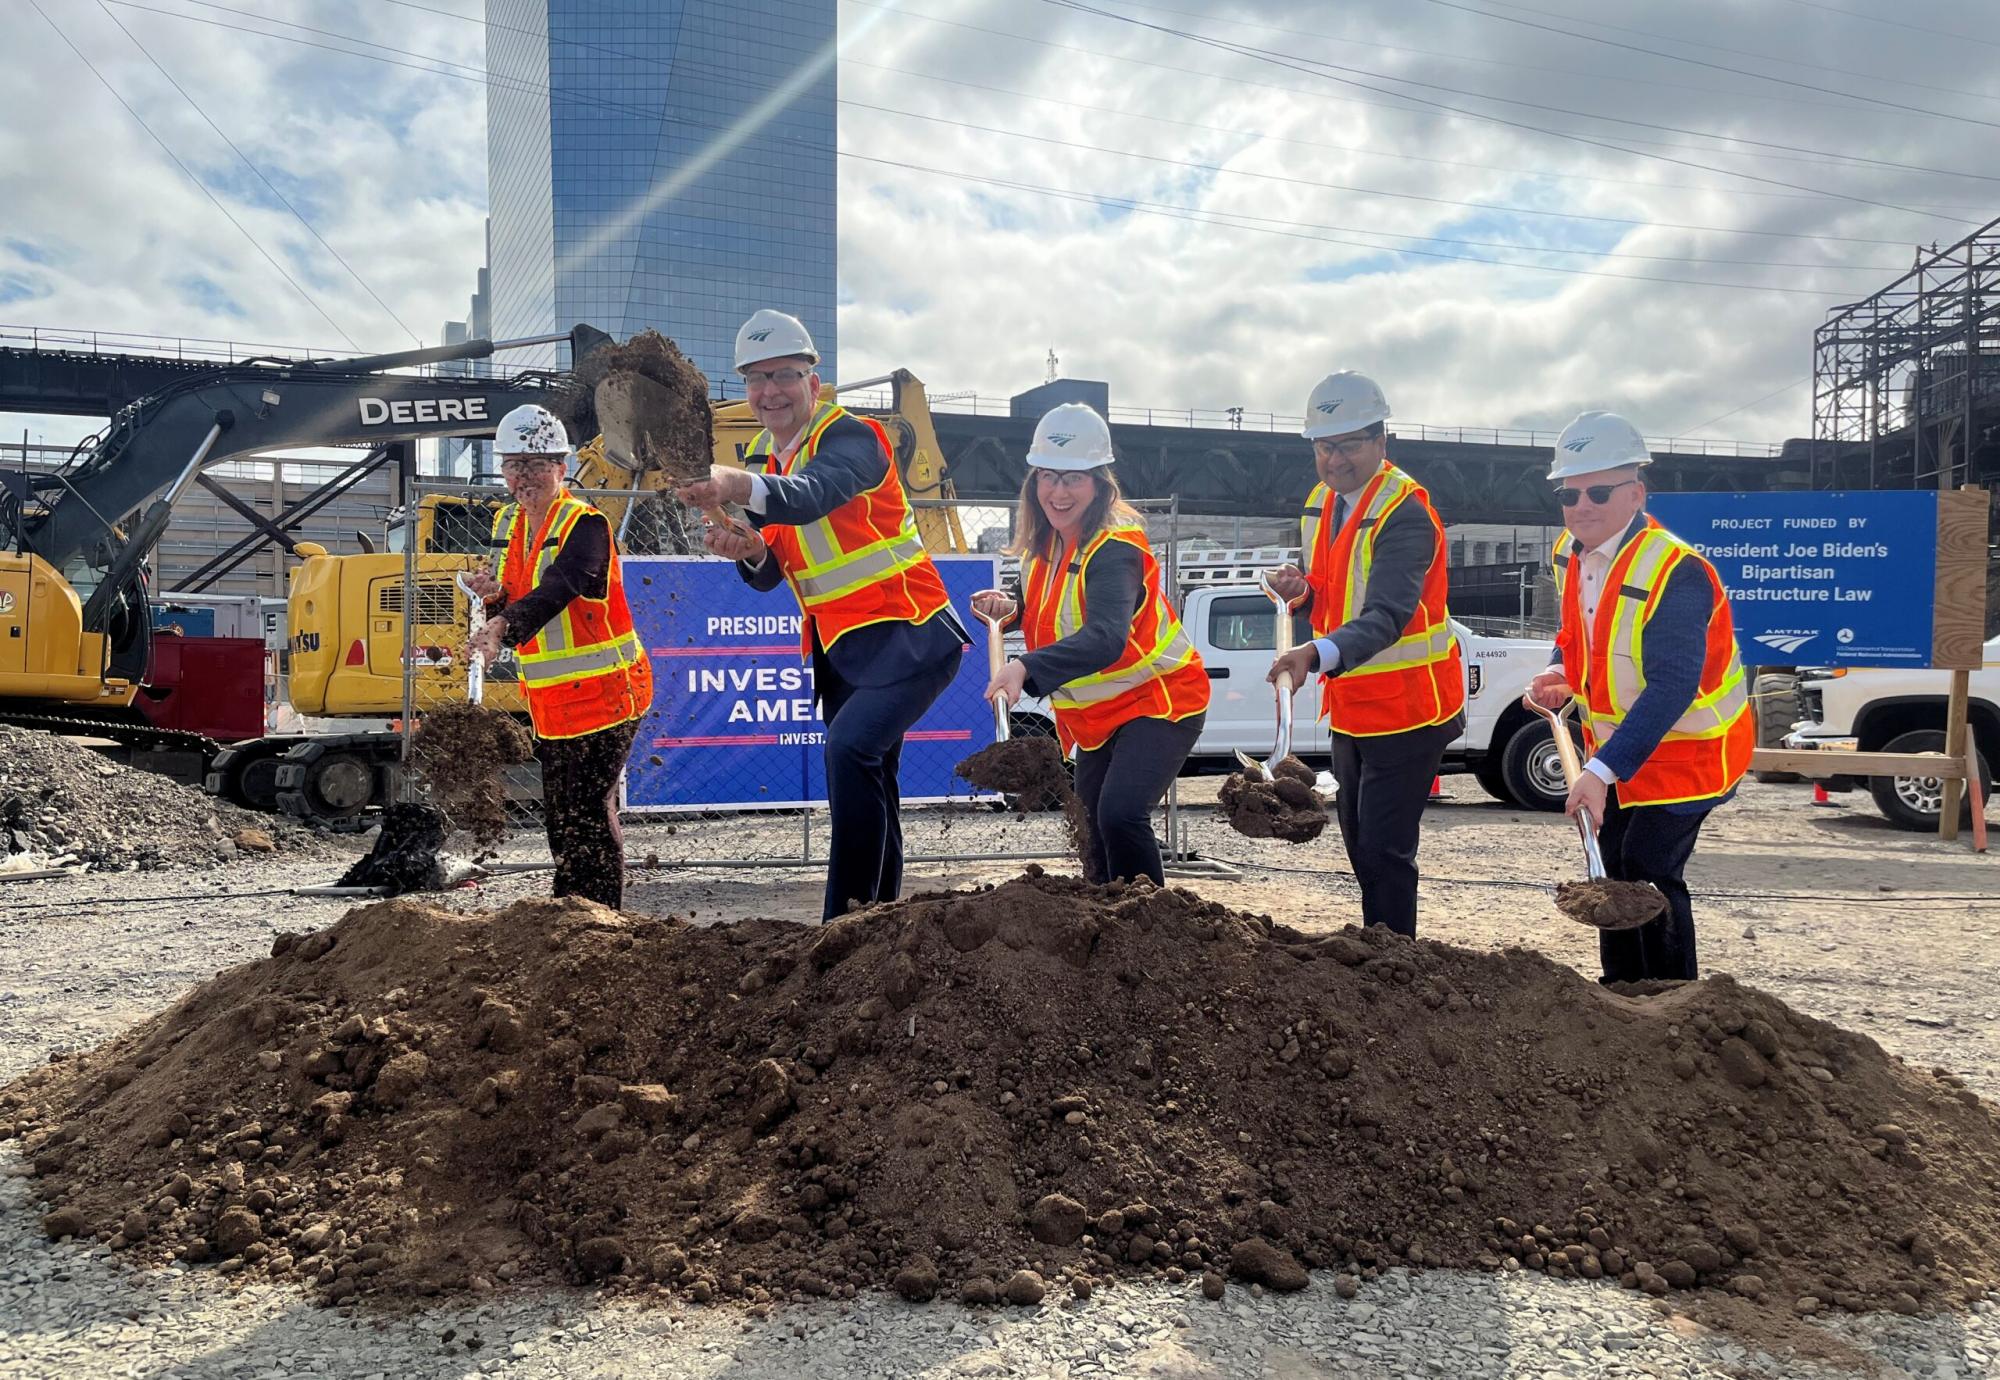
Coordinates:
[865,725]
[1384,782]
[580,804]
[1650,843]
[1119,783]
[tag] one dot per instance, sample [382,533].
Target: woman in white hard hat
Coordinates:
[1655,661]
[584,672]
[1104,644]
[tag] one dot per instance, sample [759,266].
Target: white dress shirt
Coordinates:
[1596,571]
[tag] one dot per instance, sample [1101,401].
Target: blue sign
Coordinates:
[734,721]
[188,622]
[1819,578]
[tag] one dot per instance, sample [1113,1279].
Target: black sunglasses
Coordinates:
[1600,494]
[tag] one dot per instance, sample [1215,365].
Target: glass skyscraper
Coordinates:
[663,163]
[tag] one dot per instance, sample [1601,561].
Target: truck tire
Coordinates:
[1531,769]
[1913,802]
[1777,704]
[1486,771]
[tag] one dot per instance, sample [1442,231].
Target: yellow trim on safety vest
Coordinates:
[551,656]
[1173,646]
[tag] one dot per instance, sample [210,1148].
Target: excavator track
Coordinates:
[119,731]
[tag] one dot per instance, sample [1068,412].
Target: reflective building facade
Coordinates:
[664,163]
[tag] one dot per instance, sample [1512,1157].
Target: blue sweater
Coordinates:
[1676,645]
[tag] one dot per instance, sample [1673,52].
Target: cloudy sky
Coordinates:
[1504,212]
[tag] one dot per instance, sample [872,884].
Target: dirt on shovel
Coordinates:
[1610,905]
[1286,808]
[461,752]
[676,431]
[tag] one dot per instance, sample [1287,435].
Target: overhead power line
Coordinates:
[241,229]
[1775,151]
[466,72]
[1713,66]
[1725,416]
[268,184]
[1952,34]
[1216,218]
[1744,52]
[1284,60]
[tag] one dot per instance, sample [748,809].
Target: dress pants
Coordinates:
[1119,783]
[865,725]
[1650,843]
[580,806]
[1384,783]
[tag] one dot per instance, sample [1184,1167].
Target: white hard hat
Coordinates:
[531,430]
[1597,441]
[1343,402]
[773,335]
[1070,437]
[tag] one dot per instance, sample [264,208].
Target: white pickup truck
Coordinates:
[1897,711]
[1509,750]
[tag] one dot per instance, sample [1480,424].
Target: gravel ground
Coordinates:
[85,957]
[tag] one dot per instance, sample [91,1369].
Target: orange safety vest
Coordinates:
[863,562]
[1708,749]
[1158,675]
[1419,679]
[585,669]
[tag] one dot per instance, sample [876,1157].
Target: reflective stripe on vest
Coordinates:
[1158,673]
[1424,664]
[1705,752]
[862,563]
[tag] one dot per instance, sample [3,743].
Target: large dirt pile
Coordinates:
[64,802]
[990,1093]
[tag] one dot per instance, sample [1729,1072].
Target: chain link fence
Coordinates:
[727,770]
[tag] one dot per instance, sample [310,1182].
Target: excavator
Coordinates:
[76,631]
[348,644]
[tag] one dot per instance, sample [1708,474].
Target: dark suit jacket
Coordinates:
[849,461]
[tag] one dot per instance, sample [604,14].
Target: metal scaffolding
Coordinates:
[1906,382]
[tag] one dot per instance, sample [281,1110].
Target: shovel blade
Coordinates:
[1253,766]
[633,409]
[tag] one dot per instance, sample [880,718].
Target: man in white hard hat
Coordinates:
[831,519]
[557,597]
[1648,648]
[1393,677]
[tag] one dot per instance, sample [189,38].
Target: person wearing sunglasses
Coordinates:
[831,519]
[1393,677]
[1129,690]
[1647,647]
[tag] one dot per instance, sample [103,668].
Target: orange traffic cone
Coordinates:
[1437,788]
[1822,799]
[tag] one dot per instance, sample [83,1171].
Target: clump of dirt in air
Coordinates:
[679,441]
[461,752]
[1610,905]
[1031,770]
[1287,808]
[949,1094]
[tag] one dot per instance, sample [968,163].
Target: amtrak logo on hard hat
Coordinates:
[764,334]
[1329,408]
[1061,438]
[1579,444]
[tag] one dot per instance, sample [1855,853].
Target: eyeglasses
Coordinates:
[1062,479]
[1600,494]
[1350,448]
[760,378]
[526,464]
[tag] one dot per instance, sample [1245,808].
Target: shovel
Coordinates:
[475,669]
[996,657]
[632,406]
[1601,902]
[1281,642]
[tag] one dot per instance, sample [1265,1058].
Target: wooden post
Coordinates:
[1958,630]
[1976,795]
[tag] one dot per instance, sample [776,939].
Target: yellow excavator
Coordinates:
[346,612]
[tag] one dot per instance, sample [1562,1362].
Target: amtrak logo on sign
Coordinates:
[760,336]
[1786,641]
[1578,444]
